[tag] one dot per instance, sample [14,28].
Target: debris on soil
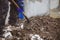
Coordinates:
[46,27]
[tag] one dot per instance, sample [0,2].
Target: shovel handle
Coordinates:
[19,7]
[15,4]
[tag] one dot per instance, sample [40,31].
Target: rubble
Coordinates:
[46,27]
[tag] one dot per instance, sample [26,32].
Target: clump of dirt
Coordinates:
[45,26]
[48,28]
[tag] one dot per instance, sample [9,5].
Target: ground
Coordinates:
[45,26]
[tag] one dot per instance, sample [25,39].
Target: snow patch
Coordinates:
[7,35]
[22,26]
[8,14]
[7,28]
[35,37]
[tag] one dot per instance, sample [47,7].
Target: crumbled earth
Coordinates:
[46,27]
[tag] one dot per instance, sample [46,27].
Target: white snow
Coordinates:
[22,26]
[7,35]
[8,14]
[6,29]
[33,37]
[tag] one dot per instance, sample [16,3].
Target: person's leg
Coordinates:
[13,14]
[3,13]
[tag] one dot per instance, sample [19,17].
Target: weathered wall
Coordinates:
[54,4]
[35,7]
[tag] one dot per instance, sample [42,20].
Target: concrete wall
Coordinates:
[54,4]
[35,7]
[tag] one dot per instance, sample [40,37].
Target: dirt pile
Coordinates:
[46,27]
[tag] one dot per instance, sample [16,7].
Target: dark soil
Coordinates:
[48,28]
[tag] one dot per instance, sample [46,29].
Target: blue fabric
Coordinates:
[21,9]
[20,13]
[20,16]
[21,4]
